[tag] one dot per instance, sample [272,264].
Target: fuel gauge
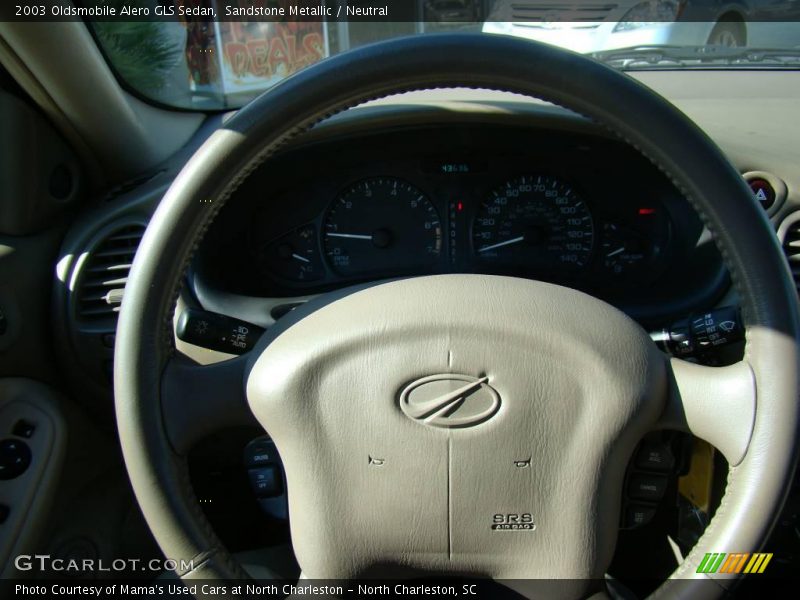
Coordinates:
[294,256]
[624,252]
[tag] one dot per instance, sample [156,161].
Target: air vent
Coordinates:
[790,234]
[105,273]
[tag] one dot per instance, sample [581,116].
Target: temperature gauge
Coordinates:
[294,256]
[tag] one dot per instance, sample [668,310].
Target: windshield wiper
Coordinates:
[669,56]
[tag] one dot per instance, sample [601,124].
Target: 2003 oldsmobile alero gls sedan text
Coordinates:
[396,306]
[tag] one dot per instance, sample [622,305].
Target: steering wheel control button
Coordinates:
[647,487]
[266,481]
[261,452]
[265,471]
[763,192]
[637,515]
[655,457]
[450,400]
[216,332]
[15,457]
[23,429]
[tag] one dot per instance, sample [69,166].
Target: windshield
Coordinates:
[216,54]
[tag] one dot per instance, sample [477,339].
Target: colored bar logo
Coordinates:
[737,562]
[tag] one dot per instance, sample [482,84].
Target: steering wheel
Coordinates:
[541,376]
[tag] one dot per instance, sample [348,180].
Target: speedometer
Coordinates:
[537,222]
[382,225]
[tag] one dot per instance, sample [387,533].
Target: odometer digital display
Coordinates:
[536,222]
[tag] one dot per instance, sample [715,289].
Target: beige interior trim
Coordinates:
[69,77]
[29,83]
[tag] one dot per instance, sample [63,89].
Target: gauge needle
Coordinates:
[350,236]
[516,240]
[301,258]
[615,252]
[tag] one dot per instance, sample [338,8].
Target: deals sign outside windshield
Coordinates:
[231,58]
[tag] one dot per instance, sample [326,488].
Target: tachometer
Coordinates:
[534,222]
[383,224]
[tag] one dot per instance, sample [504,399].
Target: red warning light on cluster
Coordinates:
[460,206]
[647,211]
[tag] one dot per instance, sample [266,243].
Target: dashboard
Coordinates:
[645,251]
[561,206]
[462,150]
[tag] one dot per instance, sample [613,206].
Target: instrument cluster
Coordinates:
[564,207]
[534,225]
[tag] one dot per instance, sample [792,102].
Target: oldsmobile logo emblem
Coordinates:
[450,400]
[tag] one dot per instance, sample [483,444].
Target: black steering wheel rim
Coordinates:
[630,110]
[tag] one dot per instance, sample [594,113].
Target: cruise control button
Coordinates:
[655,457]
[639,514]
[647,487]
[261,452]
[266,481]
[15,457]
